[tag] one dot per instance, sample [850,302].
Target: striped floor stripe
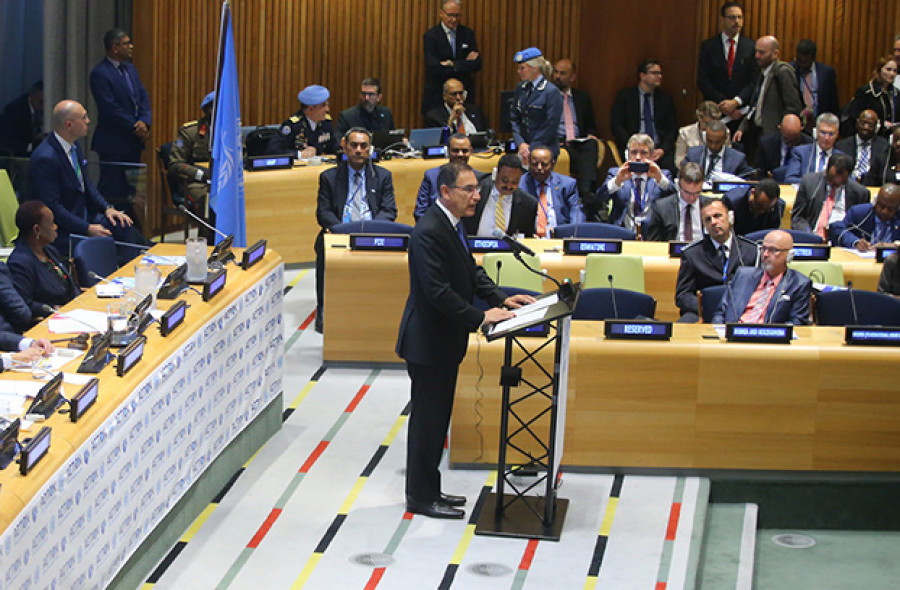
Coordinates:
[665,561]
[463,546]
[525,565]
[603,536]
[344,510]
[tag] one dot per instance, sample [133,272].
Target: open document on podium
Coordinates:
[527,315]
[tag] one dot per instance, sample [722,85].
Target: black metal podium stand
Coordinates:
[530,405]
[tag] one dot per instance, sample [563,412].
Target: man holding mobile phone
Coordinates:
[634,186]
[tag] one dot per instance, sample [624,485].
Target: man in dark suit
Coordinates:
[355,190]
[450,52]
[677,217]
[57,175]
[823,198]
[23,122]
[868,225]
[756,208]
[818,83]
[15,315]
[773,293]
[368,114]
[503,205]
[727,67]
[646,109]
[630,190]
[711,260]
[456,112]
[23,351]
[775,150]
[716,159]
[123,116]
[578,121]
[869,150]
[459,148]
[558,201]
[434,332]
[776,94]
[813,157]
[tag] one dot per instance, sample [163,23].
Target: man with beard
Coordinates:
[368,114]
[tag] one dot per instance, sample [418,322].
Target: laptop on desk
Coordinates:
[422,138]
[385,138]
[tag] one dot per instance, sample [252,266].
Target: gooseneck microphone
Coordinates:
[612,295]
[200,220]
[499,266]
[730,293]
[852,302]
[515,244]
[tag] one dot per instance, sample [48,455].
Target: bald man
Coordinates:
[869,150]
[771,293]
[775,150]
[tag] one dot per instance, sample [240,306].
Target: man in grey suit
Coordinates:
[677,217]
[823,198]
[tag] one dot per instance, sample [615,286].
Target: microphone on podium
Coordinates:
[515,244]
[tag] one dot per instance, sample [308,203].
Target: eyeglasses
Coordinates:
[470,189]
[772,250]
[125,42]
[365,94]
[452,14]
[655,72]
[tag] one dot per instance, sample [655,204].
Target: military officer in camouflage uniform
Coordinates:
[190,157]
[309,130]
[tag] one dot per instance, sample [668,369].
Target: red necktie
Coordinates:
[827,208]
[542,212]
[730,56]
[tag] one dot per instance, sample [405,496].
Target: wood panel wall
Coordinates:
[284,45]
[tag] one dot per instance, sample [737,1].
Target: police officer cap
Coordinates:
[526,54]
[208,99]
[313,95]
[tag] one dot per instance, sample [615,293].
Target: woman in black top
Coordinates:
[39,273]
[879,95]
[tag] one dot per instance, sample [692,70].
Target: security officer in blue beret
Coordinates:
[309,130]
[537,105]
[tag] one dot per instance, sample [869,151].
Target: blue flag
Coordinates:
[226,195]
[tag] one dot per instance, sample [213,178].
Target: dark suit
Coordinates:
[811,195]
[871,96]
[522,215]
[381,118]
[38,285]
[789,304]
[432,339]
[782,97]
[584,112]
[666,217]
[20,127]
[583,154]
[712,70]
[15,315]
[621,207]
[296,134]
[860,223]
[9,342]
[625,121]
[889,281]
[826,95]
[562,194]
[745,221]
[733,161]
[535,113]
[119,107]
[428,190]
[879,154]
[803,162]
[769,155]
[701,267]
[437,49]
[332,197]
[438,116]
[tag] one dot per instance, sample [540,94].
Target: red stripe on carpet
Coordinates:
[407,516]
[315,455]
[660,586]
[309,319]
[673,521]
[377,574]
[261,533]
[362,392]
[525,564]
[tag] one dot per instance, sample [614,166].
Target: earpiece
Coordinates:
[730,217]
[790,256]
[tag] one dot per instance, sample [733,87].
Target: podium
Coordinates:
[533,410]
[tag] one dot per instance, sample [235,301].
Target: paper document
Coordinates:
[166,260]
[50,365]
[77,320]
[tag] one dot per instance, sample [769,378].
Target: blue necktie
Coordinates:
[74,158]
[823,159]
[649,128]
[462,235]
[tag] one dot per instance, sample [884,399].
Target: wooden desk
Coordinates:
[789,194]
[112,477]
[365,291]
[281,204]
[696,403]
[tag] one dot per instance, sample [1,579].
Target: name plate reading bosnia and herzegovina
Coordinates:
[762,333]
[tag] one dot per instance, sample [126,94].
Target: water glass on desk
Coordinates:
[195,252]
[146,279]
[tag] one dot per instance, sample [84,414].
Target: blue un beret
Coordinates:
[526,54]
[313,95]
[208,99]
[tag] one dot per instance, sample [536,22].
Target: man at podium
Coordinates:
[434,331]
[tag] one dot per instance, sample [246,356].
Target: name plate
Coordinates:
[130,356]
[270,162]
[214,284]
[637,330]
[34,450]
[882,252]
[253,254]
[724,187]
[676,249]
[84,399]
[763,333]
[585,246]
[389,242]
[172,318]
[812,252]
[488,245]
[872,336]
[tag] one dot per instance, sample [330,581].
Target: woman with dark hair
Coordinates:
[39,273]
[878,94]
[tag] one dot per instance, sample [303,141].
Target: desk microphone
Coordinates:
[97,277]
[852,302]
[499,265]
[612,294]
[515,244]
[201,221]
[730,292]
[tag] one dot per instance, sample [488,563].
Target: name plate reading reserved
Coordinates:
[488,245]
[872,336]
[637,330]
[390,242]
[585,246]
[676,249]
[812,252]
[763,333]
[882,252]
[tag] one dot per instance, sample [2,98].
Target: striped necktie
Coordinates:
[499,215]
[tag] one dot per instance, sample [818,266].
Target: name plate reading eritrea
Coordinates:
[637,330]
[872,336]
[762,333]
[391,242]
[585,246]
